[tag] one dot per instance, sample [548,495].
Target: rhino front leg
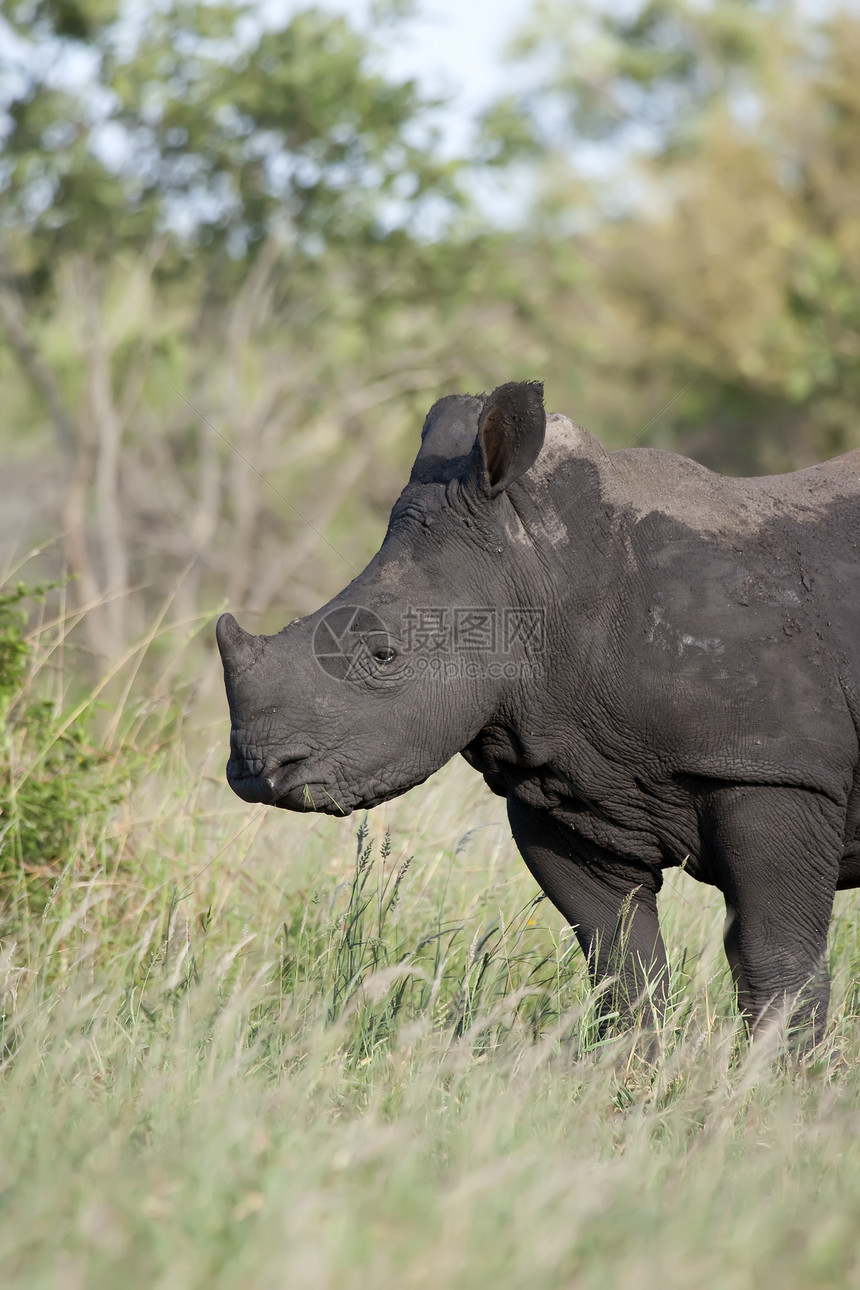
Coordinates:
[775,852]
[611,905]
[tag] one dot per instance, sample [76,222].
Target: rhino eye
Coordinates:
[385,654]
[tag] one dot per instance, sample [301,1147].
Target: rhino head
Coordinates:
[371,694]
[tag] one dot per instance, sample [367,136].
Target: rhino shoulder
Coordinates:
[648,480]
[817,486]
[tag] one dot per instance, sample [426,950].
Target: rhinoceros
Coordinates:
[653,664]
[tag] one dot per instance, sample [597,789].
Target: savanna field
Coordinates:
[246,1049]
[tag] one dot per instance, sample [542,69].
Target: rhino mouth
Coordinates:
[292,782]
[307,795]
[255,780]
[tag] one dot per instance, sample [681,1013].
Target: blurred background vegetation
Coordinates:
[232,248]
[238,261]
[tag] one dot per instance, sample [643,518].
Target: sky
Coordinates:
[457,47]
[454,48]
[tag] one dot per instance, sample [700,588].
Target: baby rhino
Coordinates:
[654,665]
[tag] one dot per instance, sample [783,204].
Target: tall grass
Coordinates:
[241,1048]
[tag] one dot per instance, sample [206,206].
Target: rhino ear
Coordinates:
[511,431]
[447,438]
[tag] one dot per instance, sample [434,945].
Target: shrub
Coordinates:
[58,787]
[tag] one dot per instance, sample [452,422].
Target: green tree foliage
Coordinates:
[201,121]
[216,259]
[723,230]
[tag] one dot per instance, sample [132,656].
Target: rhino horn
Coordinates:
[238,648]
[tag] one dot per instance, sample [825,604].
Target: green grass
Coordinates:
[247,1049]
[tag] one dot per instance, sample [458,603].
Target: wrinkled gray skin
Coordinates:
[695,702]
